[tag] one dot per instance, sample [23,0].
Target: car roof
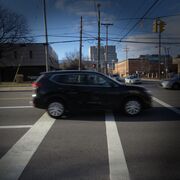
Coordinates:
[70,71]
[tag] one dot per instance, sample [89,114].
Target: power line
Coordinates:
[146,42]
[134,26]
[130,19]
[71,41]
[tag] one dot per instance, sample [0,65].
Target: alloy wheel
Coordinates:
[56,109]
[132,107]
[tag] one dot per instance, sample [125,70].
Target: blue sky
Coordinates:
[63,19]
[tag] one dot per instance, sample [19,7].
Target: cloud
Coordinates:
[74,7]
[84,7]
[172,26]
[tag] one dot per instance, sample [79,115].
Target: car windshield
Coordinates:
[114,79]
[174,77]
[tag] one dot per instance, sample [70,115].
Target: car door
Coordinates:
[100,91]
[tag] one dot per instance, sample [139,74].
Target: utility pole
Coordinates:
[126,50]
[99,39]
[46,36]
[80,47]
[106,57]
[166,61]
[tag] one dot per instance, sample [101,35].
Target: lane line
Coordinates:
[117,162]
[166,105]
[15,107]
[16,126]
[15,160]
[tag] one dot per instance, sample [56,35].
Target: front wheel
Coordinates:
[132,107]
[56,109]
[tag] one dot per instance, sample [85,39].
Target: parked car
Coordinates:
[61,92]
[172,83]
[132,79]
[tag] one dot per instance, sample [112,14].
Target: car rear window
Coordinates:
[40,77]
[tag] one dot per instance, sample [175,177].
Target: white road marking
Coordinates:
[16,126]
[166,105]
[15,160]
[18,98]
[15,107]
[117,162]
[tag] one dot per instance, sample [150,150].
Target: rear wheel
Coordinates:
[132,107]
[56,109]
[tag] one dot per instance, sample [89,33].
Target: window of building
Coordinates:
[0,54]
[30,54]
[15,54]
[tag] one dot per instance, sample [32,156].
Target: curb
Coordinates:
[153,80]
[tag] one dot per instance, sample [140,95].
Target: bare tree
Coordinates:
[71,61]
[13,28]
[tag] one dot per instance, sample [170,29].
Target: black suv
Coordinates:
[60,92]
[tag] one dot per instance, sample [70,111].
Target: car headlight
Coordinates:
[165,83]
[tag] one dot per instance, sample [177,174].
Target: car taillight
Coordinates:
[35,85]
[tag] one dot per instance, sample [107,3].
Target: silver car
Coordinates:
[133,80]
[172,83]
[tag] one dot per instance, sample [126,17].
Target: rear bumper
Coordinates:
[39,103]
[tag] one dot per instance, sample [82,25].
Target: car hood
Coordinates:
[133,87]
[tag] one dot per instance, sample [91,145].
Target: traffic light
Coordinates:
[158,26]
[155,26]
[162,25]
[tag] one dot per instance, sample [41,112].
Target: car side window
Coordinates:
[97,80]
[81,79]
[67,78]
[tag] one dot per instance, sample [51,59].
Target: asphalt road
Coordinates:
[90,145]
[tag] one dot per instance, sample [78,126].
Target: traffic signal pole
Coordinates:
[159,27]
[159,67]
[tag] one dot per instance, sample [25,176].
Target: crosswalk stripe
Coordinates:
[15,160]
[117,162]
[15,107]
[166,105]
[16,126]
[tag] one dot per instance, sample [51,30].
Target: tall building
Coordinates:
[112,55]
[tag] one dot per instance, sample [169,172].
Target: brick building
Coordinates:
[146,65]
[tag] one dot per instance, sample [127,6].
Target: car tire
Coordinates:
[132,106]
[56,109]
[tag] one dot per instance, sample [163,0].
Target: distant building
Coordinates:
[177,62]
[112,55]
[27,59]
[146,65]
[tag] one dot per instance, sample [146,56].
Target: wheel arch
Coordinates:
[56,97]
